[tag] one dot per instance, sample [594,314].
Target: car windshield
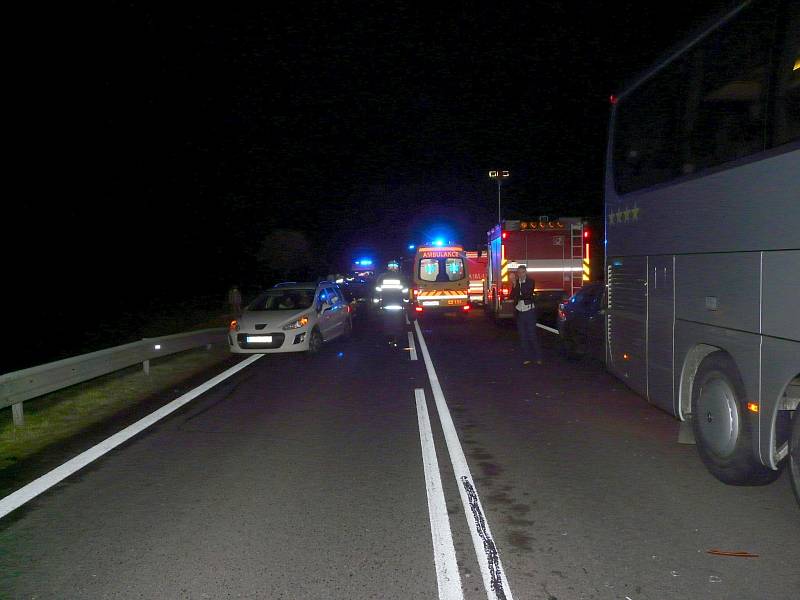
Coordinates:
[283,300]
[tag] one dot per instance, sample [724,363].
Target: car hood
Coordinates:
[271,320]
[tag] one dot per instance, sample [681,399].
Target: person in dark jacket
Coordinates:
[525,311]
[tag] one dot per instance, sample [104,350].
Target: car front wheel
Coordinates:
[315,342]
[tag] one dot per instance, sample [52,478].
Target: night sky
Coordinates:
[163,145]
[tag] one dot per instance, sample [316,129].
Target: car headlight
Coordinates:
[301,322]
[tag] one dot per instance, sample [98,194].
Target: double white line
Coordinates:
[488,556]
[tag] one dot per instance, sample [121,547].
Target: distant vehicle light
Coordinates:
[505,234]
[378,288]
[375,300]
[752,407]
[234,326]
[393,307]
[418,308]
[411,246]
[613,99]
[585,234]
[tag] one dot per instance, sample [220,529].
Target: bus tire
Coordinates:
[794,454]
[722,427]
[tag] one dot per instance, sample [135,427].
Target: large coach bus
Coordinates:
[702,209]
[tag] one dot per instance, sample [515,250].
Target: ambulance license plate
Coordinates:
[259,339]
[431,303]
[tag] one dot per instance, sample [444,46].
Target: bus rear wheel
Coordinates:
[722,428]
[794,454]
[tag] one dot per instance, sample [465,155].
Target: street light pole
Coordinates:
[499,176]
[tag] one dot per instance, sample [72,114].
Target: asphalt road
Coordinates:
[303,477]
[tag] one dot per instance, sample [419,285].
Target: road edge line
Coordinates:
[494,580]
[40,485]
[448,579]
[411,346]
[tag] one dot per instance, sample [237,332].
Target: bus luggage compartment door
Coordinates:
[660,321]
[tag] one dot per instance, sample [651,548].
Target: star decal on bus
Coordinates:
[625,215]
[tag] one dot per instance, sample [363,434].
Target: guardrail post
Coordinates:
[146,367]
[18,414]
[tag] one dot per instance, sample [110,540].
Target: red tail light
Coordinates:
[418,308]
[466,307]
[505,291]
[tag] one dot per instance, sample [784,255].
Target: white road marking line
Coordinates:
[494,579]
[411,347]
[546,328]
[448,579]
[48,480]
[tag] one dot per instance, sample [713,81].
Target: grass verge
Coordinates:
[64,414]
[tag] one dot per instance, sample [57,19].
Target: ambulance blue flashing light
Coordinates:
[364,262]
[411,246]
[438,242]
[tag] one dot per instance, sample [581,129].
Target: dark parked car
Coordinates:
[581,322]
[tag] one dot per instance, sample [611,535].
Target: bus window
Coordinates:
[705,108]
[787,84]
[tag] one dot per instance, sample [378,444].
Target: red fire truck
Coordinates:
[556,253]
[476,266]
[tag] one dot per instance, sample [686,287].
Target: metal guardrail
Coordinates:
[18,386]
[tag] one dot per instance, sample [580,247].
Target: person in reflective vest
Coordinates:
[525,311]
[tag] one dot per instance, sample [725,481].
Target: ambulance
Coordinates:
[440,280]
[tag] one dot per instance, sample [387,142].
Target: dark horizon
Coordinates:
[165,145]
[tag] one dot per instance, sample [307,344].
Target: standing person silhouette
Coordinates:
[235,301]
[525,311]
